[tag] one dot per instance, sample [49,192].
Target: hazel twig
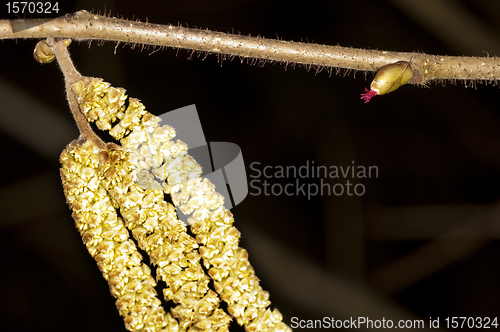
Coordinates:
[46,51]
[87,26]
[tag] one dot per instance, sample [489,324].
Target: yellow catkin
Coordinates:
[227,263]
[157,230]
[107,240]
[154,225]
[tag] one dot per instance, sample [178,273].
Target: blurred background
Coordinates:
[421,242]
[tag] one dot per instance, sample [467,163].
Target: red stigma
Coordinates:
[368,95]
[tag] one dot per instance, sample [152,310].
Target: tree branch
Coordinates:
[87,26]
[71,75]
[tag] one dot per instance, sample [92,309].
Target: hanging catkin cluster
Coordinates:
[124,186]
[84,171]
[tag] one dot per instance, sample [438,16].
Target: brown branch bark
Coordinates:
[87,26]
[71,75]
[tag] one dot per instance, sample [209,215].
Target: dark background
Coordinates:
[423,240]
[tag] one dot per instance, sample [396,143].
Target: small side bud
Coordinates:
[43,52]
[388,79]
